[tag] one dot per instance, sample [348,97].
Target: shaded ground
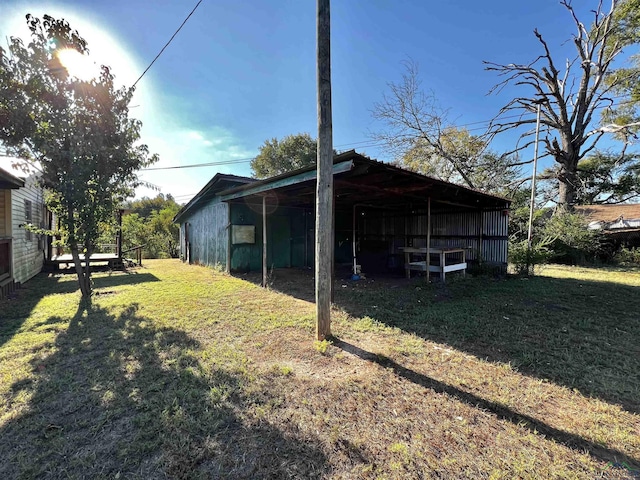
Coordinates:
[579,332]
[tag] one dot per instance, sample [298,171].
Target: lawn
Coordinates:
[178,371]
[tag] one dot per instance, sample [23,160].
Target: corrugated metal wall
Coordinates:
[207,235]
[380,234]
[484,234]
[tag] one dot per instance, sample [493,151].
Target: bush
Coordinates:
[627,256]
[569,240]
[525,260]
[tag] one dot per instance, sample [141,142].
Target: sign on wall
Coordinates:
[243,234]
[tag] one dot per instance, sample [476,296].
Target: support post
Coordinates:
[324,188]
[264,241]
[119,234]
[229,239]
[353,241]
[428,259]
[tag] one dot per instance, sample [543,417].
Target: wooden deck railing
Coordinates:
[138,250]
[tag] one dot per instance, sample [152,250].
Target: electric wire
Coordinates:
[167,44]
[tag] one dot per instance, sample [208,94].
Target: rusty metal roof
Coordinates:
[610,213]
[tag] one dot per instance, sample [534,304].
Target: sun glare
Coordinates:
[77,64]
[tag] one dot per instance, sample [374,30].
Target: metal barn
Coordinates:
[387,219]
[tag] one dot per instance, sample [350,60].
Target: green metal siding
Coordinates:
[285,238]
[246,257]
[208,234]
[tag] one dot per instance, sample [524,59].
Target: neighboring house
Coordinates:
[21,252]
[620,222]
[381,211]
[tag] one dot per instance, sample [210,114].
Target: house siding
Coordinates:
[28,255]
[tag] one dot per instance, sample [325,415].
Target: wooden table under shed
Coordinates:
[441,267]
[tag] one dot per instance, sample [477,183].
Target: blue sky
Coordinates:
[241,72]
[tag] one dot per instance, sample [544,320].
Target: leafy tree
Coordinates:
[165,232]
[602,178]
[78,132]
[145,205]
[625,80]
[472,165]
[569,98]
[420,134]
[608,178]
[281,156]
[150,223]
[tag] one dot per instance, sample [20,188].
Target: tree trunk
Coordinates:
[83,279]
[83,276]
[87,268]
[567,188]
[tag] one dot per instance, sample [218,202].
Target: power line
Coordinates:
[360,144]
[167,44]
[195,165]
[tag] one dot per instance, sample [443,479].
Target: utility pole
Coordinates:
[533,180]
[324,188]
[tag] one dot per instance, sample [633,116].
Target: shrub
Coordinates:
[525,260]
[627,256]
[569,240]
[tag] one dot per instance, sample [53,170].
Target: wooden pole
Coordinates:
[428,237]
[229,238]
[324,188]
[119,234]
[264,241]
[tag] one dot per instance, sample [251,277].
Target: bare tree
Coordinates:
[421,136]
[570,98]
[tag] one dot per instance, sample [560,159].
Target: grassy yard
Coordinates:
[177,371]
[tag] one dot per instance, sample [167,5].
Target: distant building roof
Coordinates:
[611,217]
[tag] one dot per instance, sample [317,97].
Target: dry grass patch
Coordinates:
[179,371]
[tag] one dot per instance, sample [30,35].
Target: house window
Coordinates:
[28,218]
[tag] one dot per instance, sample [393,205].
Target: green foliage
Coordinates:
[281,156]
[603,177]
[625,80]
[79,131]
[608,178]
[519,215]
[150,223]
[525,260]
[627,256]
[322,346]
[569,240]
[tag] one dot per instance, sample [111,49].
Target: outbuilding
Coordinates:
[387,219]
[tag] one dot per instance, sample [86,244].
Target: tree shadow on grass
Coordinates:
[18,307]
[119,397]
[614,457]
[581,334]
